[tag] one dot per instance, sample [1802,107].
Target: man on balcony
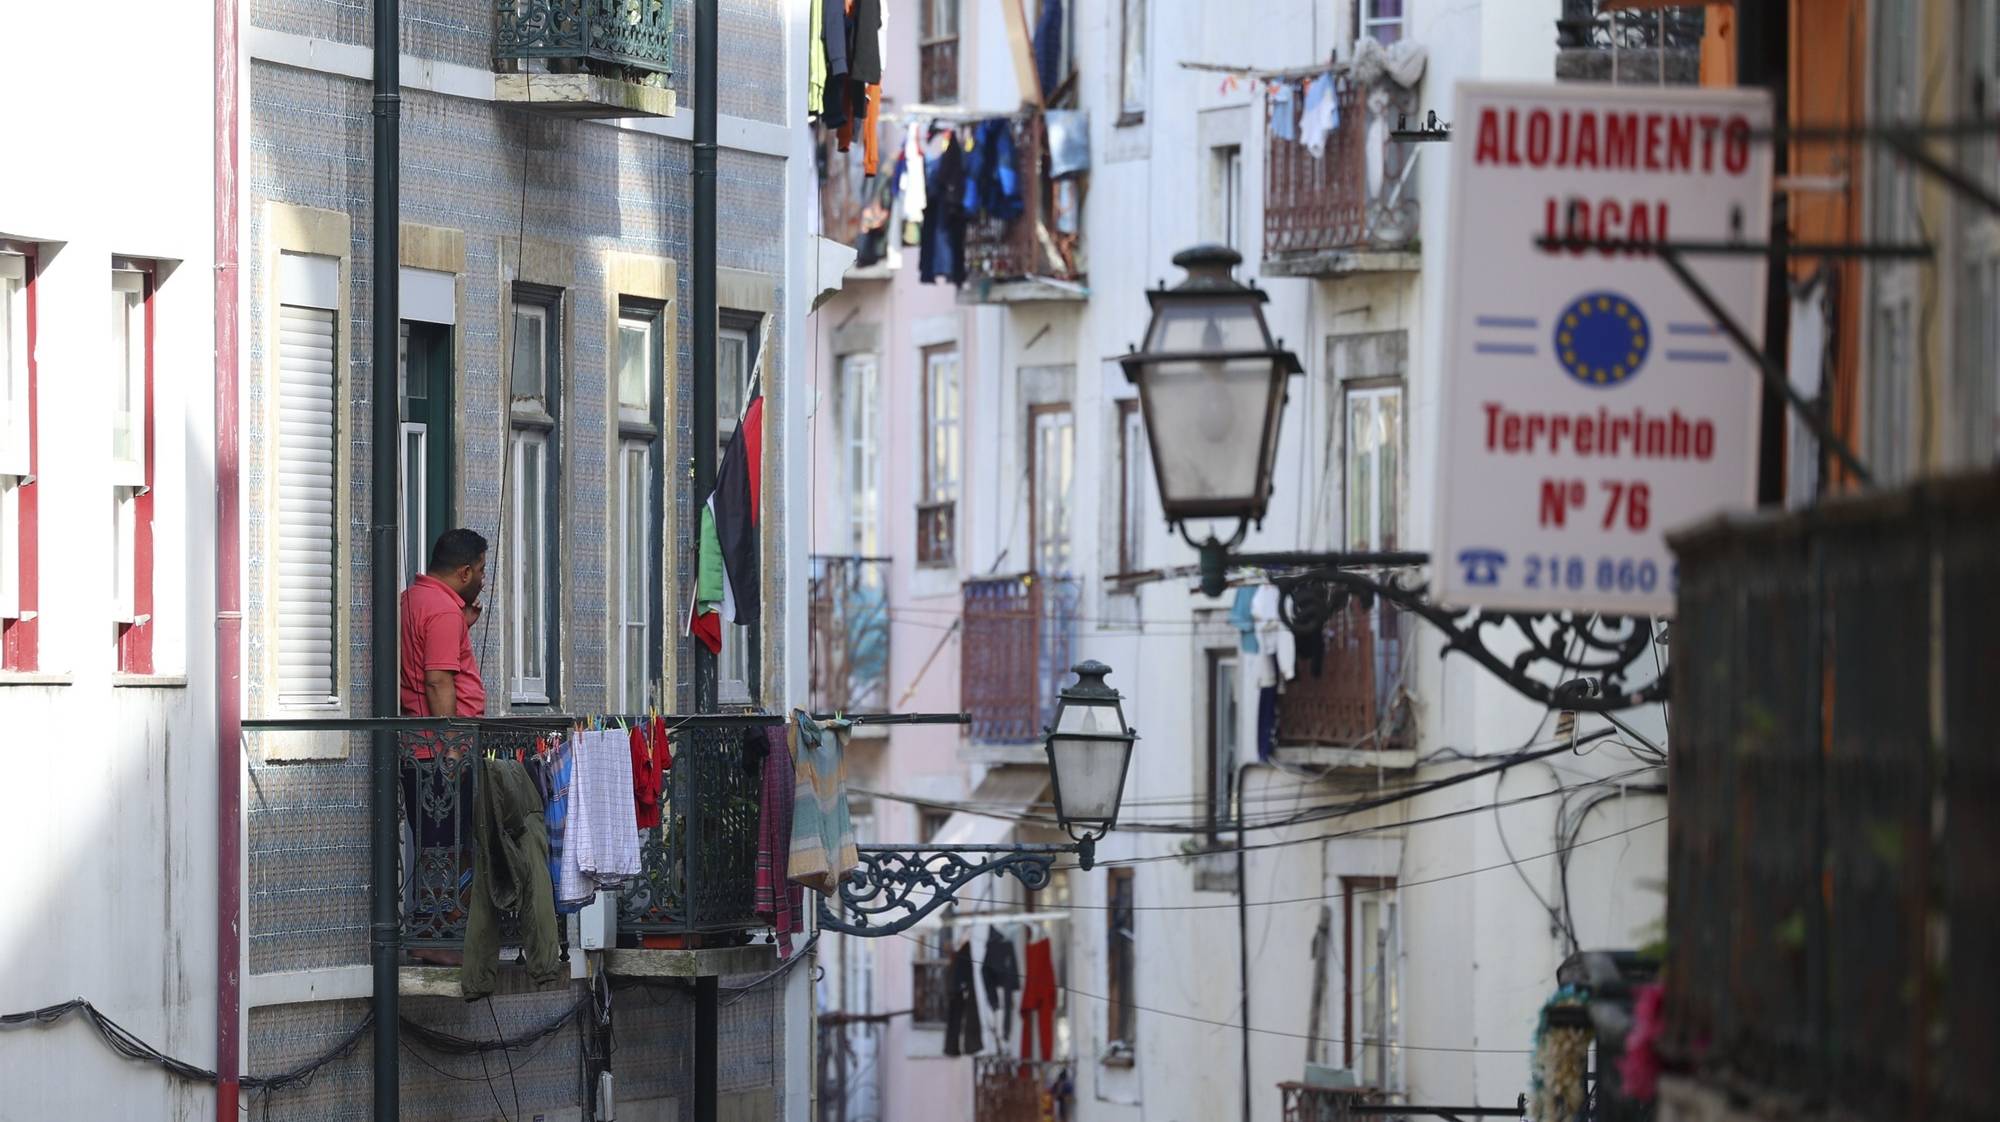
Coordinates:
[440,678]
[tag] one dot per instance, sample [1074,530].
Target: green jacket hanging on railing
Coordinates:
[510,871]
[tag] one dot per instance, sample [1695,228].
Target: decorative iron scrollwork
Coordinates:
[1599,660]
[898,885]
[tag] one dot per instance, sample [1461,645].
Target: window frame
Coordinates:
[1366,21]
[1133,479]
[739,667]
[1373,389]
[1230,211]
[433,422]
[863,520]
[20,496]
[1132,94]
[934,44]
[1223,742]
[132,494]
[937,507]
[536,420]
[1355,1036]
[636,431]
[1039,538]
[1121,955]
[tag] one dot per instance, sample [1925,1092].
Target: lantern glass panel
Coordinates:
[1207,422]
[1090,775]
[1221,324]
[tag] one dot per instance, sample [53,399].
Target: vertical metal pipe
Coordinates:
[385,432]
[1763,60]
[706,1012]
[705,23]
[228,585]
[1243,934]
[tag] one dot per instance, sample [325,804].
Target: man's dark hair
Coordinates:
[456,549]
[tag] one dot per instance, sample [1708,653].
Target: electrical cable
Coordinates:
[508,1056]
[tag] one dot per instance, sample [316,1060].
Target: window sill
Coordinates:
[33,678]
[1118,1055]
[149,681]
[1130,582]
[1129,118]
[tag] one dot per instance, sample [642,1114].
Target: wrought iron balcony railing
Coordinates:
[628,39]
[1008,1090]
[698,869]
[1304,1103]
[849,651]
[1354,697]
[1358,195]
[1018,636]
[1045,241]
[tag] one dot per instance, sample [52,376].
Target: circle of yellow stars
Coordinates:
[1576,317]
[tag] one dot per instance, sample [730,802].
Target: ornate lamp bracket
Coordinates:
[898,885]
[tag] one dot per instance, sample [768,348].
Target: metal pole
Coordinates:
[1761,60]
[384,905]
[705,1014]
[705,24]
[1243,935]
[228,585]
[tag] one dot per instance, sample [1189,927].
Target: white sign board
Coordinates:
[1589,404]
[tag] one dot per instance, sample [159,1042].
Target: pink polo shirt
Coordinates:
[435,637]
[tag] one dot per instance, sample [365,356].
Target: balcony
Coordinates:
[1306,1103]
[1354,712]
[585,58]
[1005,1090]
[1019,633]
[1354,208]
[849,653]
[1039,255]
[698,869]
[1835,898]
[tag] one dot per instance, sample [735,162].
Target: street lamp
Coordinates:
[1211,385]
[1089,747]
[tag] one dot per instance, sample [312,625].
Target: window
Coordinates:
[1380,20]
[1134,481]
[637,498]
[308,535]
[1374,466]
[937,514]
[937,51]
[1052,470]
[861,458]
[424,378]
[930,822]
[534,507]
[132,466]
[735,363]
[1373,990]
[930,979]
[1227,161]
[1121,956]
[1132,62]
[18,435]
[1222,739]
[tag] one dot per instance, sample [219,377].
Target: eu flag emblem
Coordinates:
[1602,339]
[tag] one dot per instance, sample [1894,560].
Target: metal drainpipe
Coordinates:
[706,1006]
[385,905]
[228,586]
[1243,934]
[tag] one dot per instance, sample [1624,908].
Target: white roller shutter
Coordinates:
[308,549]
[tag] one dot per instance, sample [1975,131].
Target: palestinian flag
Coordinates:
[726,572]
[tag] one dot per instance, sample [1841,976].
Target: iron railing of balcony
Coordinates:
[937,525]
[1348,198]
[849,649]
[633,36]
[1834,897]
[937,70]
[698,869]
[1014,655]
[1305,1103]
[1006,1090]
[1353,697]
[1045,239]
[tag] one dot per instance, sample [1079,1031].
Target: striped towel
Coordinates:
[561,771]
[822,836]
[779,901]
[600,836]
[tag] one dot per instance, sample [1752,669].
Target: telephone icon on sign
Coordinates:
[1482,566]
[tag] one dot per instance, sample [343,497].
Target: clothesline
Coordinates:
[1252,72]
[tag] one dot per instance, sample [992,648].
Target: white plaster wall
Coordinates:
[111,881]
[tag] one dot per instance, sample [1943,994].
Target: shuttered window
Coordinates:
[307,546]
